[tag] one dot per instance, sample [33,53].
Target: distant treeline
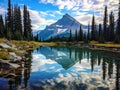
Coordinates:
[108,31]
[13,27]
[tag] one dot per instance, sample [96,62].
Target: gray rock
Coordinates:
[14,57]
[14,65]
[4,45]
[9,44]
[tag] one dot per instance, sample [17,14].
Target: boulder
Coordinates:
[3,45]
[14,57]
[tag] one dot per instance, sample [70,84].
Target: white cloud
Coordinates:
[80,7]
[84,19]
[75,8]
[58,12]
[86,4]
[40,61]
[2,10]
[67,4]
[38,21]
[52,15]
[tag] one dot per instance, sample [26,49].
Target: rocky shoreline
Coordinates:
[11,55]
[14,55]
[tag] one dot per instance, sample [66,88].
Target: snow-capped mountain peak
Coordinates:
[60,28]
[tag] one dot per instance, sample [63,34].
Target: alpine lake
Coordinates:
[64,68]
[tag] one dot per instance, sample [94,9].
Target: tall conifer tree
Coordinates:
[117,35]
[17,23]
[76,35]
[88,33]
[111,27]
[1,27]
[93,35]
[70,37]
[100,34]
[8,23]
[105,32]
[27,24]
[80,34]
[25,21]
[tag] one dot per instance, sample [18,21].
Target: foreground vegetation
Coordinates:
[17,47]
[20,47]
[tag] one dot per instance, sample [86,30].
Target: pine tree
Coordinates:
[12,23]
[5,32]
[93,31]
[85,38]
[88,33]
[70,37]
[17,23]
[117,35]
[9,14]
[27,24]
[111,27]
[36,37]
[80,34]
[30,35]
[105,32]
[1,27]
[76,36]
[100,34]
[8,23]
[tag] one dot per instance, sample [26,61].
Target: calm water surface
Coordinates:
[63,68]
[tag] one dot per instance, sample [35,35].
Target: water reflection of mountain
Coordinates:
[67,57]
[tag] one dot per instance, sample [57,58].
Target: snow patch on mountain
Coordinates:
[61,28]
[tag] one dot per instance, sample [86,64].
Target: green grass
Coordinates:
[107,44]
[4,55]
[11,50]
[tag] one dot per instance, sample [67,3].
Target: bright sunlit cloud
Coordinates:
[46,12]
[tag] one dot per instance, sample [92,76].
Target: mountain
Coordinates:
[61,28]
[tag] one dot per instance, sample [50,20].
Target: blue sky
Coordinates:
[46,12]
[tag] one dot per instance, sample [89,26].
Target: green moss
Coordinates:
[4,55]
[11,50]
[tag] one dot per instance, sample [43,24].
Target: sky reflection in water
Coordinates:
[69,69]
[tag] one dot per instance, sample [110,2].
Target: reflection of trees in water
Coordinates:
[118,74]
[93,59]
[104,66]
[14,76]
[106,59]
[27,70]
[110,68]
